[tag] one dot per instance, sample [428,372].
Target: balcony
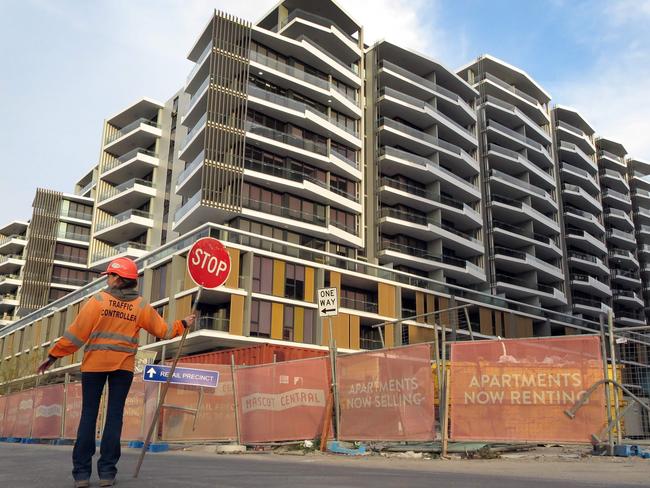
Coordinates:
[407,82]
[12,244]
[628,279]
[513,235]
[640,194]
[320,89]
[503,183]
[8,302]
[619,219]
[134,164]
[394,133]
[393,192]
[619,238]
[642,215]
[577,197]
[11,263]
[10,283]
[579,177]
[359,305]
[509,210]
[583,220]
[395,104]
[189,180]
[201,68]
[527,104]
[572,154]
[193,142]
[514,116]
[285,144]
[585,241]
[615,199]
[575,135]
[612,161]
[461,270]
[622,257]
[77,237]
[123,227]
[504,136]
[394,221]
[512,162]
[643,233]
[517,261]
[326,61]
[303,115]
[589,306]
[198,104]
[132,250]
[395,161]
[587,263]
[610,178]
[131,194]
[589,285]
[518,289]
[323,31]
[140,133]
[628,298]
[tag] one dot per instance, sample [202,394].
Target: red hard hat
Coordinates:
[123,267]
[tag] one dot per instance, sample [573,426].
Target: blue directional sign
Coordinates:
[182,376]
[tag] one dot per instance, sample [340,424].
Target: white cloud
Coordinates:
[612,93]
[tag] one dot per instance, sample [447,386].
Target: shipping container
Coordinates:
[254,355]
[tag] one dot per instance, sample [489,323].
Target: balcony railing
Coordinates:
[571,128]
[421,219]
[282,211]
[316,19]
[607,154]
[213,323]
[575,169]
[206,52]
[621,234]
[285,138]
[121,217]
[360,305]
[516,135]
[191,167]
[75,236]
[569,146]
[418,134]
[502,277]
[125,157]
[531,235]
[197,127]
[130,127]
[521,184]
[127,185]
[616,194]
[510,88]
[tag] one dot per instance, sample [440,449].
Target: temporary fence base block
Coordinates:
[229,449]
[158,447]
[626,450]
[63,442]
[30,440]
[17,440]
[136,444]
[335,447]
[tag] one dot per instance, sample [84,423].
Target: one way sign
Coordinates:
[182,376]
[328,303]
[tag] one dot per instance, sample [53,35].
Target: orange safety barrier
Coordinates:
[216,416]
[3,406]
[72,410]
[518,389]
[387,394]
[132,424]
[282,401]
[48,411]
[20,412]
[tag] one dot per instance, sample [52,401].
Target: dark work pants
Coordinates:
[92,385]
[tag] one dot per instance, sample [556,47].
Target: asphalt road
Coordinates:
[49,466]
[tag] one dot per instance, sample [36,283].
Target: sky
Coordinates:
[69,64]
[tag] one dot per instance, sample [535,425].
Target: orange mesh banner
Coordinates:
[387,395]
[518,389]
[283,401]
[72,410]
[11,413]
[132,426]
[48,411]
[3,405]
[216,417]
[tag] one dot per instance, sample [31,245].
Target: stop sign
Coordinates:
[208,263]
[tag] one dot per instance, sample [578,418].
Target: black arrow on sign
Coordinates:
[326,310]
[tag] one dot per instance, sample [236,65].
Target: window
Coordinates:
[343,220]
[68,276]
[64,252]
[159,283]
[260,318]
[262,275]
[294,283]
[309,327]
[56,294]
[288,323]
[343,186]
[344,152]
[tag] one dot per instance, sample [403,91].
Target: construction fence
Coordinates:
[514,390]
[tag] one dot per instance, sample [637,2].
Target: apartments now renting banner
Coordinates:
[518,389]
[387,394]
[283,401]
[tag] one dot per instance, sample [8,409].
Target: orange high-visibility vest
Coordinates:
[109,327]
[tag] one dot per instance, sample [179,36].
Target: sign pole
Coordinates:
[163,393]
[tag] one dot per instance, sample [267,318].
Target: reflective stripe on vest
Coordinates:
[110,347]
[73,338]
[114,336]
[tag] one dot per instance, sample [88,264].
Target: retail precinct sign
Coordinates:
[208,263]
[182,376]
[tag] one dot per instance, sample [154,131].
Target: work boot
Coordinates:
[107,482]
[81,483]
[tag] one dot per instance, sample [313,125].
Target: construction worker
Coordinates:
[108,325]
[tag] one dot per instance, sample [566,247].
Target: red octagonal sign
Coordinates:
[208,263]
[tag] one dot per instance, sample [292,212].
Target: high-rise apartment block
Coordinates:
[322,161]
